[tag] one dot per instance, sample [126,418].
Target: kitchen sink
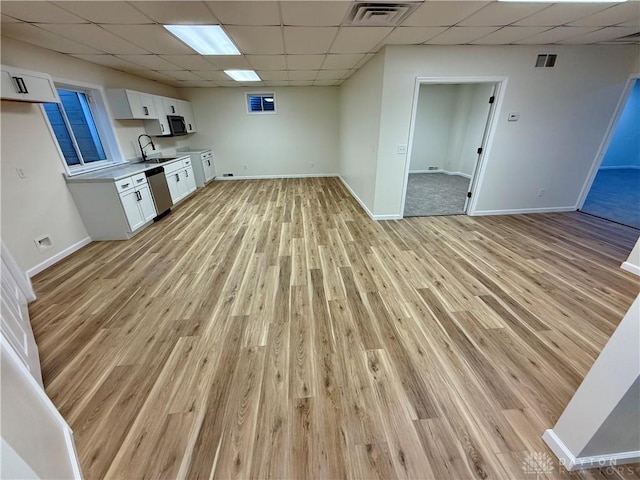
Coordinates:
[161,159]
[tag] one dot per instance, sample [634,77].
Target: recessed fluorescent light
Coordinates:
[205,39]
[565,1]
[243,75]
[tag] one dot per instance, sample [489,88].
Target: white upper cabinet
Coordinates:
[185,109]
[28,86]
[129,104]
[160,126]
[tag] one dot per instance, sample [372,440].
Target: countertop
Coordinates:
[119,172]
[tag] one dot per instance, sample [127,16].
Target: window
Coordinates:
[78,124]
[261,103]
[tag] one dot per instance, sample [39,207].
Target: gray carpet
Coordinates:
[615,195]
[435,194]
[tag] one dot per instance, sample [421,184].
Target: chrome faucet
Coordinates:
[150,142]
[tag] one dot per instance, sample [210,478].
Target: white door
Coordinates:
[147,207]
[189,180]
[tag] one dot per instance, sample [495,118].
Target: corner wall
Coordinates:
[564,112]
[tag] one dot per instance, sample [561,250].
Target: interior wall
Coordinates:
[41,204]
[300,139]
[564,112]
[360,103]
[434,119]
[624,147]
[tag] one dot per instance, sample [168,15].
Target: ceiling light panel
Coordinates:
[313,13]
[177,13]
[257,40]
[153,38]
[230,62]
[308,40]
[204,39]
[243,75]
[246,13]
[106,12]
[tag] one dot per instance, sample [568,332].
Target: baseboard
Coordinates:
[620,167]
[571,462]
[520,211]
[58,256]
[630,267]
[353,194]
[446,172]
[268,177]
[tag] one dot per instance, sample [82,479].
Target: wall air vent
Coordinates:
[546,60]
[381,14]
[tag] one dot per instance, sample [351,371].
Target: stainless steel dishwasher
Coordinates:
[159,190]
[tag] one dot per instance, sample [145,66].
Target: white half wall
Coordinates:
[360,102]
[300,139]
[564,112]
[40,203]
[632,263]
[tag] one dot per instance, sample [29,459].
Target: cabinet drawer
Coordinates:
[206,155]
[124,184]
[173,167]
[139,179]
[187,162]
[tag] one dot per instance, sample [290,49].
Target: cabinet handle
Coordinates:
[125,185]
[177,177]
[16,81]
[161,127]
[138,196]
[186,172]
[190,127]
[209,162]
[173,109]
[24,85]
[146,110]
[140,180]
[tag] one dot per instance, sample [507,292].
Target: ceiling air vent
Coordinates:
[380,14]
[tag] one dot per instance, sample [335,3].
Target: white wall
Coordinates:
[41,203]
[300,139]
[360,103]
[434,120]
[632,264]
[564,112]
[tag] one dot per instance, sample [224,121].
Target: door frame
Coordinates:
[476,180]
[606,140]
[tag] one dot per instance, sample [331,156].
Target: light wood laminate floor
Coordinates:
[270,329]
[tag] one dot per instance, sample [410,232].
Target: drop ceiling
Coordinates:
[295,43]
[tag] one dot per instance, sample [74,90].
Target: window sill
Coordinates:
[93,168]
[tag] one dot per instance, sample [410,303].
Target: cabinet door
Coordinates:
[190,180]
[159,127]
[28,86]
[145,202]
[171,106]
[187,112]
[141,105]
[209,169]
[132,211]
[173,180]
[9,87]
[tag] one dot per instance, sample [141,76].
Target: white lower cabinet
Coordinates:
[114,210]
[180,179]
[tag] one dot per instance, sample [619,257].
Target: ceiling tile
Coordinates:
[332,74]
[154,38]
[180,74]
[28,33]
[341,62]
[555,35]
[306,75]
[460,35]
[313,13]
[230,83]
[189,62]
[257,40]
[277,83]
[229,62]
[150,62]
[159,77]
[325,83]
[199,84]
[8,19]
[300,83]
[94,36]
[177,13]
[273,75]
[109,61]
[105,12]
[502,13]
[624,13]
[308,40]
[364,60]
[358,39]
[602,35]
[211,74]
[46,12]
[304,62]
[442,14]
[246,13]
[560,14]
[507,35]
[412,35]
[267,62]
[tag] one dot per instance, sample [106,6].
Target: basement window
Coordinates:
[259,103]
[81,128]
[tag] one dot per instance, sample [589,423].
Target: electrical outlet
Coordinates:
[244,166]
[541,192]
[43,243]
[402,149]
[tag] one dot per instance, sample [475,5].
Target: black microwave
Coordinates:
[177,125]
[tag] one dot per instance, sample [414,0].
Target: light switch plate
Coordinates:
[402,148]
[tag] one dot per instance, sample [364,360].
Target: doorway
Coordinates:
[449,135]
[615,191]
